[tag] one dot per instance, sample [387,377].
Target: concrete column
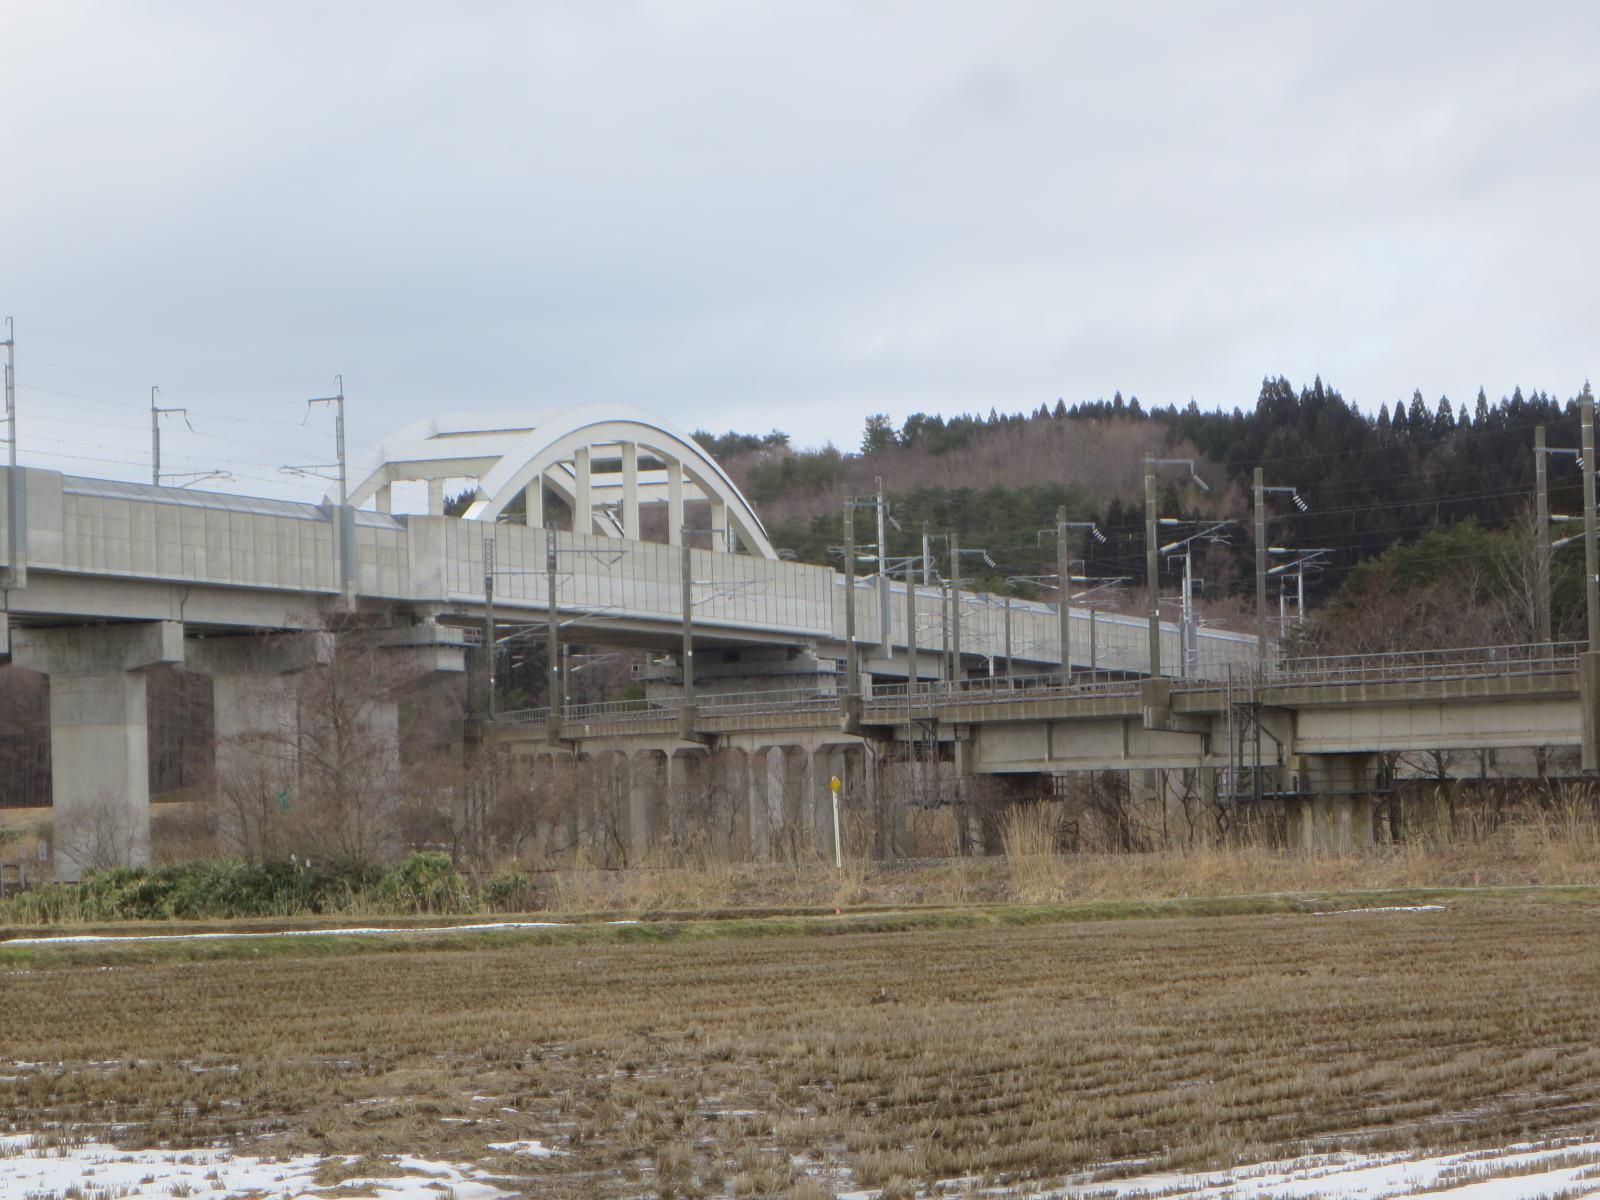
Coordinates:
[256,719]
[674,502]
[533,503]
[793,840]
[383,499]
[644,801]
[610,835]
[759,796]
[436,497]
[630,491]
[582,494]
[251,693]
[738,819]
[1339,800]
[691,818]
[99,736]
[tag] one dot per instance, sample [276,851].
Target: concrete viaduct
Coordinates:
[589,515]
[1312,735]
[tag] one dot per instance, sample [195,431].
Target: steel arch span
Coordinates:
[611,462]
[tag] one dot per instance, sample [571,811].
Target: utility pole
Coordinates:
[1261,568]
[1591,553]
[343,526]
[1011,674]
[156,414]
[911,649]
[944,630]
[1262,550]
[16,493]
[884,595]
[852,660]
[337,402]
[1186,621]
[1094,656]
[1064,591]
[1152,563]
[488,623]
[552,643]
[955,607]
[686,720]
[927,557]
[1541,539]
[11,390]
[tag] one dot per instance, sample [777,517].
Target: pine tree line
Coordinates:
[1372,481]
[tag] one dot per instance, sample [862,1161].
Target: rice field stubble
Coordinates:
[714,1067]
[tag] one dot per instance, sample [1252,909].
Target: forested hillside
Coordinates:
[1374,483]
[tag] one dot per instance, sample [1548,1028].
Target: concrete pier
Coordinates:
[99,735]
[1335,812]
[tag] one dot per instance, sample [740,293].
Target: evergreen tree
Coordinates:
[1444,417]
[1417,417]
[878,435]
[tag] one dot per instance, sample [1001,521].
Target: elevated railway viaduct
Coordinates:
[615,529]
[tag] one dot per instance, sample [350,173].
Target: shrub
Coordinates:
[512,891]
[426,882]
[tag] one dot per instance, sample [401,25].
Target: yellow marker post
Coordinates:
[838,843]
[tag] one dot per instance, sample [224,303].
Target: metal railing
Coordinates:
[890,700]
[1404,666]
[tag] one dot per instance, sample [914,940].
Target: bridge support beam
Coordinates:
[1334,813]
[99,736]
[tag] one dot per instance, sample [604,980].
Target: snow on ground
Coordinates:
[1345,912]
[1546,1171]
[528,1149]
[93,1169]
[370,931]
[1520,1172]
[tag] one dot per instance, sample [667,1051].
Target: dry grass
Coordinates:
[710,1068]
[1560,850]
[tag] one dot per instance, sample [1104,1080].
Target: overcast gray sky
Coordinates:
[748,215]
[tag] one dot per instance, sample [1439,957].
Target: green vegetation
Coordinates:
[227,888]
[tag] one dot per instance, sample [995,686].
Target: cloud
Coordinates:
[747,216]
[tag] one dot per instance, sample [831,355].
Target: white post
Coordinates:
[630,491]
[582,496]
[719,525]
[533,503]
[834,785]
[674,502]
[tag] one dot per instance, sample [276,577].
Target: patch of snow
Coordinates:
[48,1172]
[1524,1171]
[1345,912]
[532,1148]
[367,931]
